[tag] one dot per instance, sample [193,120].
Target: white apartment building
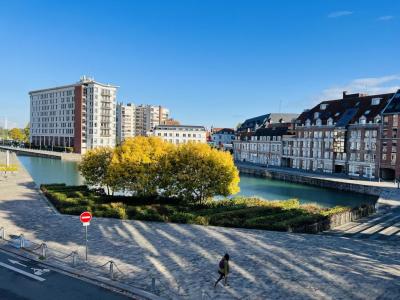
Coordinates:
[149,116]
[180,134]
[126,121]
[80,115]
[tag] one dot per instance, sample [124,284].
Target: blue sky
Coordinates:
[211,62]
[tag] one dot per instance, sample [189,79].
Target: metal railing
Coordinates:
[109,268]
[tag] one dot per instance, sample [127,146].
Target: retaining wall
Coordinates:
[309,180]
[337,219]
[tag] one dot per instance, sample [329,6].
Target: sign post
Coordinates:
[85,218]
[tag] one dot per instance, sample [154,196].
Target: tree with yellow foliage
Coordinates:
[196,172]
[94,167]
[135,163]
[17,134]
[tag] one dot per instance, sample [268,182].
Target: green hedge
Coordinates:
[237,212]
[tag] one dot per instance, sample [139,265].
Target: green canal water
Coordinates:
[46,170]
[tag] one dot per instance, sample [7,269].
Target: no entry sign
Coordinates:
[85,218]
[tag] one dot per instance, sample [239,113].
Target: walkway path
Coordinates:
[43,153]
[265,265]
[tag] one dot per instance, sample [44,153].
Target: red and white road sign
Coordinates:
[85,218]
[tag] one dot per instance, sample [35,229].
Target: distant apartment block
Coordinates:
[80,115]
[149,116]
[126,121]
[180,134]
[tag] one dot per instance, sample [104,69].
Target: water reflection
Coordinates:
[46,170]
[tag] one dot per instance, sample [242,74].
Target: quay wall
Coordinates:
[42,153]
[310,180]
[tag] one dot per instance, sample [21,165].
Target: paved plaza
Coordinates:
[184,258]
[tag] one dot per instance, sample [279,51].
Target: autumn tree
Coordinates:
[135,163]
[94,167]
[27,132]
[196,172]
[16,134]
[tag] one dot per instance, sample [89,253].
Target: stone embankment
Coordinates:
[321,180]
[43,153]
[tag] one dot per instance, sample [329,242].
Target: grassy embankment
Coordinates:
[236,212]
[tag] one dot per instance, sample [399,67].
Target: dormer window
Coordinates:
[323,106]
[367,112]
[318,122]
[308,122]
[316,115]
[363,120]
[375,101]
[330,121]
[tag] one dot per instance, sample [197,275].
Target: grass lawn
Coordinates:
[237,212]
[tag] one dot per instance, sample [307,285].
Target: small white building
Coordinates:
[222,136]
[180,134]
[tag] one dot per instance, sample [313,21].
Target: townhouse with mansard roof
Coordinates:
[356,135]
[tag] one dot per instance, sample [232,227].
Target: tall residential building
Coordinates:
[125,121]
[80,115]
[149,116]
[180,134]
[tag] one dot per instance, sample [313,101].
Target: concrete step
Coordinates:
[387,232]
[370,223]
[378,227]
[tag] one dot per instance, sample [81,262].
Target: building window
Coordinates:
[375,101]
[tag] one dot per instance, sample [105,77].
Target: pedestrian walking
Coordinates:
[223,270]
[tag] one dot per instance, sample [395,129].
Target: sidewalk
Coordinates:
[184,258]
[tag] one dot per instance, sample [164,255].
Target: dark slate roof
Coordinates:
[346,111]
[394,104]
[253,123]
[274,131]
[223,131]
[263,120]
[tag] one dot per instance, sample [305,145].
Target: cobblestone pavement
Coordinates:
[184,258]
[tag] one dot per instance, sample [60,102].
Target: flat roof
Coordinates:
[73,85]
[180,126]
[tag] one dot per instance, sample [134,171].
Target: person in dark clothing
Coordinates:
[223,270]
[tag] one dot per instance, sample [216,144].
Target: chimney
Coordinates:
[344,94]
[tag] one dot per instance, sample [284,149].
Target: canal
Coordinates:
[46,170]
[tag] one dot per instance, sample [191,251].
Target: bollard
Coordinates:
[112,270]
[153,284]
[21,241]
[203,295]
[74,255]
[44,250]
[2,233]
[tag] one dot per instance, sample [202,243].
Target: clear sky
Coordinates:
[210,62]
